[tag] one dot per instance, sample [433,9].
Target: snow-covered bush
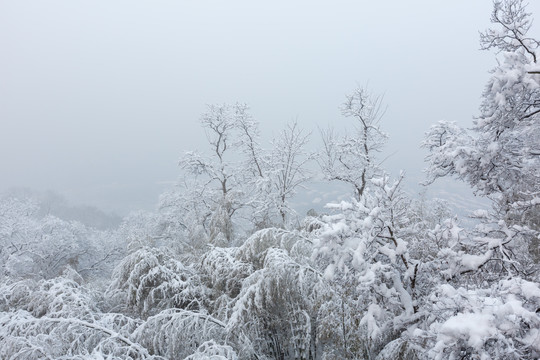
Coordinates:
[149,281]
[210,350]
[499,322]
[223,273]
[361,252]
[42,247]
[275,308]
[176,333]
[58,318]
[255,248]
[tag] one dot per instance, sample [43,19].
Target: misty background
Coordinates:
[98,100]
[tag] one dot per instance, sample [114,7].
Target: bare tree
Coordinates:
[219,171]
[274,174]
[289,161]
[351,158]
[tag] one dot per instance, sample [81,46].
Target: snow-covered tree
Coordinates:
[221,176]
[41,247]
[363,251]
[288,167]
[274,174]
[501,157]
[484,302]
[351,158]
[497,322]
[276,306]
[178,333]
[149,280]
[240,182]
[59,318]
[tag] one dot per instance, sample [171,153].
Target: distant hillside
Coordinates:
[51,203]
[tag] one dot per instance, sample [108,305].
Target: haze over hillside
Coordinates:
[98,101]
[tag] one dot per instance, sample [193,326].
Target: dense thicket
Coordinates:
[225,269]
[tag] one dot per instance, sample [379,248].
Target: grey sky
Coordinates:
[98,99]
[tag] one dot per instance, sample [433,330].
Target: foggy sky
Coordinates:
[99,99]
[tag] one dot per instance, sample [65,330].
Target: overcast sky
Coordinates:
[98,99]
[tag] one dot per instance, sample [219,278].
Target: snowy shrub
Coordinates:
[137,230]
[254,249]
[182,219]
[58,297]
[59,318]
[210,350]
[23,336]
[149,280]
[223,274]
[500,322]
[274,307]
[43,247]
[363,252]
[175,333]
